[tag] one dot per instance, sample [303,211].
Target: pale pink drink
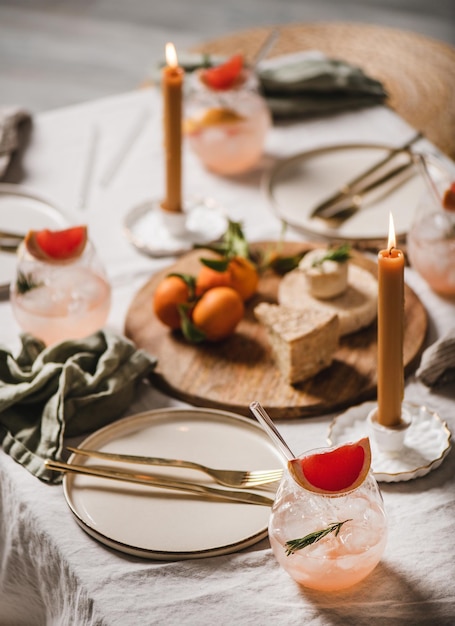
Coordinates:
[226,129]
[337,560]
[59,301]
[431,238]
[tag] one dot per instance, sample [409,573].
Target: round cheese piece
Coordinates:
[325,278]
[356,307]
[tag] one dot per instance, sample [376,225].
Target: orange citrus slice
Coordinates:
[220,116]
[334,471]
[56,246]
[212,117]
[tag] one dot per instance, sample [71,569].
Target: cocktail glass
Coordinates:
[351,548]
[55,301]
[431,238]
[226,128]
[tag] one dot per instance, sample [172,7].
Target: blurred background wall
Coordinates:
[59,52]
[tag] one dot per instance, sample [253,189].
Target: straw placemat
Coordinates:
[417,72]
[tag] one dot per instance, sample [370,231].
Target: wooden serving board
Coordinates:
[232,374]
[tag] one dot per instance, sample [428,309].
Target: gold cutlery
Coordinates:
[160,482]
[342,210]
[353,186]
[228,478]
[9,242]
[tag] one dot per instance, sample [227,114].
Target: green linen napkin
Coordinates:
[64,390]
[304,85]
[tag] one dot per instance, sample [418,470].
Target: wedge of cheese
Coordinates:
[302,342]
[356,307]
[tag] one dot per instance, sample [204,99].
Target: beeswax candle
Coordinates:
[390,332]
[172,82]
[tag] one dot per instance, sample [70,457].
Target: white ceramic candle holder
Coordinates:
[389,439]
[419,447]
[156,232]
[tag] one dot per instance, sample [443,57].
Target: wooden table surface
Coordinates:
[417,72]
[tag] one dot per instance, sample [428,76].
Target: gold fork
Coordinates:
[150,480]
[227,478]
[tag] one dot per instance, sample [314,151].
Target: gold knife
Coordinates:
[9,242]
[151,480]
[353,186]
[344,208]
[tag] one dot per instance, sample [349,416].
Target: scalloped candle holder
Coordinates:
[389,439]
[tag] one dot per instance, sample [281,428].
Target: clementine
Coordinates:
[171,292]
[218,312]
[241,274]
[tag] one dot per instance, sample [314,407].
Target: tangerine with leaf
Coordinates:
[216,314]
[172,292]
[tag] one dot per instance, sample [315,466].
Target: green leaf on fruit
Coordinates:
[190,282]
[189,330]
[219,265]
[232,244]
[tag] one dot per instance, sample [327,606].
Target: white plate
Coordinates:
[426,444]
[298,184]
[158,524]
[21,210]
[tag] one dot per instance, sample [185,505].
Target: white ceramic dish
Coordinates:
[426,444]
[158,524]
[21,210]
[297,185]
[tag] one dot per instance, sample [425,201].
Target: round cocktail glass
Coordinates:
[431,238]
[341,558]
[226,128]
[56,301]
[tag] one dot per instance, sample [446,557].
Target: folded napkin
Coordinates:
[437,365]
[310,83]
[10,121]
[64,390]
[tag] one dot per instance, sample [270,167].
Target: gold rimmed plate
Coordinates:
[295,186]
[22,209]
[163,525]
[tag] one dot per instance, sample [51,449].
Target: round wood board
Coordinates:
[231,374]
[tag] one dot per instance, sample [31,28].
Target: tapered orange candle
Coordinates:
[390,332]
[172,82]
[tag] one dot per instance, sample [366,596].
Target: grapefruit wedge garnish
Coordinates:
[57,246]
[223,76]
[333,471]
[448,199]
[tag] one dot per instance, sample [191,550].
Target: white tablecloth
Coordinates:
[51,572]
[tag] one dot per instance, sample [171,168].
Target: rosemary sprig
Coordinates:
[298,544]
[26,282]
[340,255]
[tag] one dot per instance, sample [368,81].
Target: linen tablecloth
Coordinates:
[52,573]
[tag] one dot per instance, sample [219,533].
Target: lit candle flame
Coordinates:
[171,55]
[392,241]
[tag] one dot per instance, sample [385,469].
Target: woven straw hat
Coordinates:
[417,72]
